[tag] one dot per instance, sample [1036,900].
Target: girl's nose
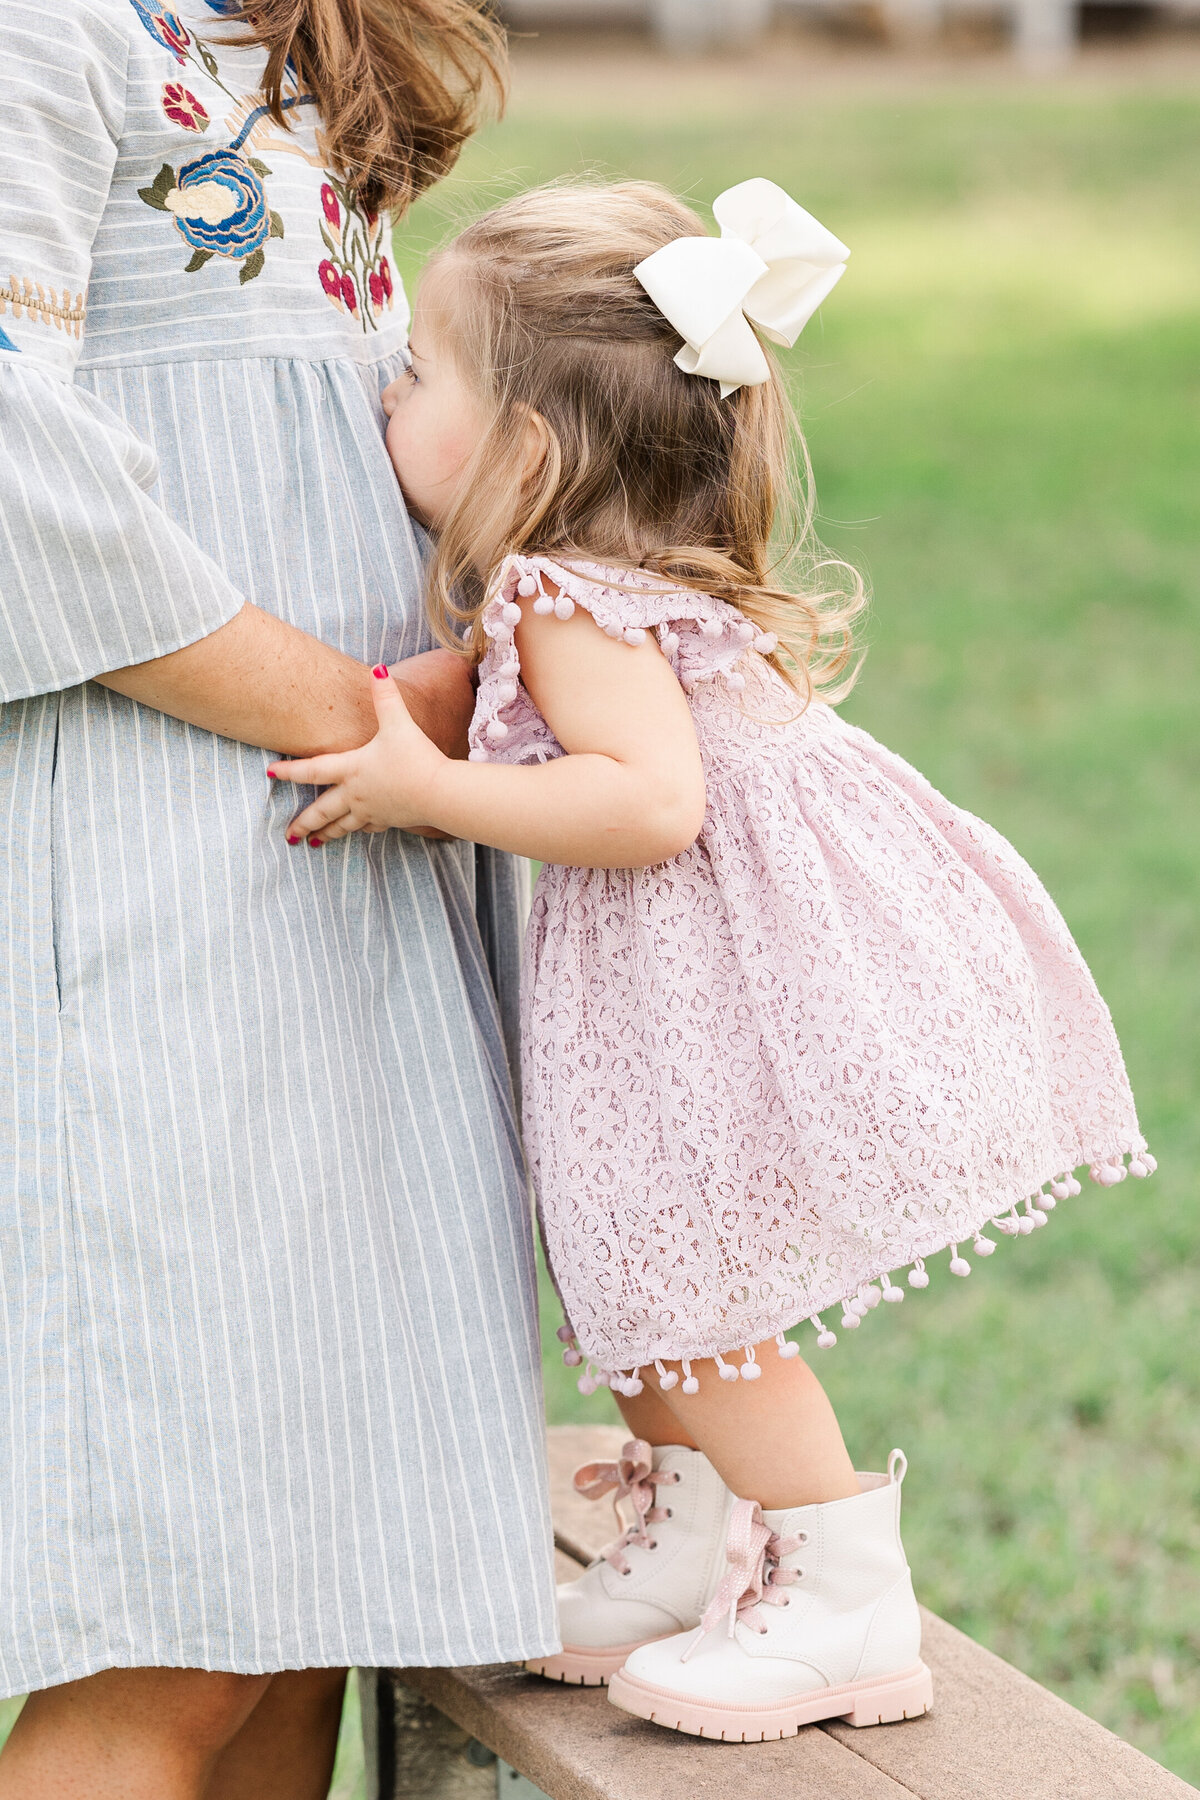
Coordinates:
[390,396]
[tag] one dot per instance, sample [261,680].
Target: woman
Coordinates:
[264,1215]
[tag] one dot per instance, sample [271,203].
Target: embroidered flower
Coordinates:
[354,274]
[166,28]
[220,207]
[181,105]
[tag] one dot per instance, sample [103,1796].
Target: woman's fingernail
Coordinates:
[270,775]
[379,672]
[293,840]
[315,844]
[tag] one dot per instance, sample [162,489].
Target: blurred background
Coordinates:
[1001,400]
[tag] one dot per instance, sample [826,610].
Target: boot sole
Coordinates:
[581,1667]
[884,1700]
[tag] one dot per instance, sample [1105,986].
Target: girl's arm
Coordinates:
[630,791]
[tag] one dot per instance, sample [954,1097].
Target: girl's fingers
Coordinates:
[330,805]
[309,771]
[390,709]
[329,834]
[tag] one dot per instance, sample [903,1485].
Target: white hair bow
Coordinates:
[772,265]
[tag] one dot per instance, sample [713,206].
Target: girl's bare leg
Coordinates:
[126,1734]
[285,1749]
[775,1440]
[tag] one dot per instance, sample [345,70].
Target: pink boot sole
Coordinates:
[585,1667]
[881,1701]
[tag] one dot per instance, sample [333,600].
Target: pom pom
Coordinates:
[1061,1190]
[918,1278]
[564,607]
[527,587]
[565,1335]
[1150,1162]
[691,1385]
[735,681]
[959,1265]
[635,635]
[727,1371]
[746,632]
[466,634]
[586,1384]
[851,1321]
[826,1340]
[858,1306]
[1038,1218]
[983,1246]
[497,730]
[1025,1225]
[543,605]
[614,630]
[1074,1187]
[477,756]
[572,1358]
[788,1350]
[766,644]
[633,1387]
[711,628]
[511,613]
[1045,1202]
[750,1371]
[506,693]
[671,643]
[869,1296]
[1137,1167]
[668,1381]
[893,1293]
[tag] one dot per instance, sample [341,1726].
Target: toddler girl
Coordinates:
[791,1019]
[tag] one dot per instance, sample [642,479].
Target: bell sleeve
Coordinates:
[93,574]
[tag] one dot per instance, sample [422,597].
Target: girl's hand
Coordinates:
[384,786]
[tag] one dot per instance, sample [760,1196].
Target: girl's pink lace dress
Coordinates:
[848,1028]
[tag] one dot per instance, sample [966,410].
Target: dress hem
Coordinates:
[1106,1169]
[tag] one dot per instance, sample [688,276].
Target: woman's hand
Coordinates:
[384,786]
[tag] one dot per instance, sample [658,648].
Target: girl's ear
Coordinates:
[535,445]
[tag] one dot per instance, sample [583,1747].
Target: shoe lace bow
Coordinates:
[753,1576]
[631,1477]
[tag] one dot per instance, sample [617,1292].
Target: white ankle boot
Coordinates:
[660,1574]
[815,1619]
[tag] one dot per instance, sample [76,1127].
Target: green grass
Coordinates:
[1001,402]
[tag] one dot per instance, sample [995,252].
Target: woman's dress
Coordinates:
[848,1028]
[269,1390]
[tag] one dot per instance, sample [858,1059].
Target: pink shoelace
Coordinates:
[632,1477]
[753,1577]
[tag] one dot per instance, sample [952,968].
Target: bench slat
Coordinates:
[572,1743]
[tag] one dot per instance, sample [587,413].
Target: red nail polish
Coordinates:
[315,844]
[293,840]
[270,775]
[379,672]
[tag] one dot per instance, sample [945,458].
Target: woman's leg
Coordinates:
[775,1440]
[126,1734]
[285,1749]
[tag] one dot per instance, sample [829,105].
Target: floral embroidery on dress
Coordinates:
[36,302]
[356,276]
[166,28]
[182,107]
[220,208]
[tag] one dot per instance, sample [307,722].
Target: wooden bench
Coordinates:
[470,1734]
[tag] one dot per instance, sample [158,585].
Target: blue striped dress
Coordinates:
[269,1391]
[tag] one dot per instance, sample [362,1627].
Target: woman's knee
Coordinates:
[192,1712]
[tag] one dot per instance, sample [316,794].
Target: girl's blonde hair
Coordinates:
[644,467]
